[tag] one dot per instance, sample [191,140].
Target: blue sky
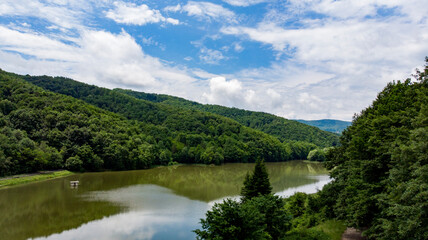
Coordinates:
[300,59]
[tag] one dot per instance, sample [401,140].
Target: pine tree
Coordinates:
[257,183]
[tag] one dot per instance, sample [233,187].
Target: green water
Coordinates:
[160,203]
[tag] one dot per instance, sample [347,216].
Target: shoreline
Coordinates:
[16,180]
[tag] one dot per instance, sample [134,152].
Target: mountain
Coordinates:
[330,125]
[41,130]
[68,124]
[283,129]
[158,108]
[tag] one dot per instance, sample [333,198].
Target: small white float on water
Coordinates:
[74,184]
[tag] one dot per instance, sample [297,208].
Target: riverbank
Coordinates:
[32,177]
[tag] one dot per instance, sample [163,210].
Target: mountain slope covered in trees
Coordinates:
[40,129]
[283,129]
[159,109]
[330,125]
[380,171]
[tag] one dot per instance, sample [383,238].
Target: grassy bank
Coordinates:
[333,228]
[28,178]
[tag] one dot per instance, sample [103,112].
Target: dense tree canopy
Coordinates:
[283,129]
[380,171]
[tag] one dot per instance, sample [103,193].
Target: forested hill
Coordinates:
[380,171]
[281,128]
[330,125]
[158,109]
[41,130]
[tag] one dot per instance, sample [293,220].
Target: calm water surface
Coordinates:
[160,203]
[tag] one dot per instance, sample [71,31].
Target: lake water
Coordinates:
[160,203]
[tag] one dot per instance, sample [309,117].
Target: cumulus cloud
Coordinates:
[130,13]
[229,93]
[96,57]
[205,10]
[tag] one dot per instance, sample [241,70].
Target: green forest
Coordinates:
[283,129]
[379,180]
[62,123]
[380,171]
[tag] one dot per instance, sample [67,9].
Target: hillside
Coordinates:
[330,125]
[283,129]
[40,129]
[160,109]
[380,171]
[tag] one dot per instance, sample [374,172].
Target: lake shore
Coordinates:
[15,180]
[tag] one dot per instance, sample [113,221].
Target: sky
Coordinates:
[299,59]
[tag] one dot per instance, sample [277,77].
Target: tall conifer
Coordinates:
[257,183]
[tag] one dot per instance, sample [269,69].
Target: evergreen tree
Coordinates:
[257,183]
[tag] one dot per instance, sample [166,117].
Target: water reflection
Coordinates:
[161,203]
[154,213]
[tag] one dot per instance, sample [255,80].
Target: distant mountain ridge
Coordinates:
[330,125]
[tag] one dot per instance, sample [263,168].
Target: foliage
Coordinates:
[261,217]
[333,228]
[284,129]
[257,183]
[380,171]
[318,154]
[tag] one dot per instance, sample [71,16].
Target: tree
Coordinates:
[317,155]
[257,183]
[261,217]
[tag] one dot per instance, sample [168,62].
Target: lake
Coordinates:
[159,203]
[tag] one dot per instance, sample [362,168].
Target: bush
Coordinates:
[74,164]
[316,155]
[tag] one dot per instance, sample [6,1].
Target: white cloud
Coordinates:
[130,13]
[412,9]
[96,57]
[210,56]
[228,93]
[244,3]
[67,15]
[238,47]
[175,8]
[205,10]
[336,64]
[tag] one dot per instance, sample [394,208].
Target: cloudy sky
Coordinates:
[300,59]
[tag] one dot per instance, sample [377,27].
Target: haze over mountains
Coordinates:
[331,125]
